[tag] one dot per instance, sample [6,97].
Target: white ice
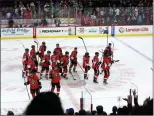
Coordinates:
[132,69]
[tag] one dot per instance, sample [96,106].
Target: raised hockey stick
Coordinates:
[152,69]
[83,43]
[37,49]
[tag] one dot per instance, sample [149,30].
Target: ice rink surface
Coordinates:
[133,69]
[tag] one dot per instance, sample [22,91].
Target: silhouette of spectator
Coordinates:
[46,103]
[100,110]
[10,113]
[114,111]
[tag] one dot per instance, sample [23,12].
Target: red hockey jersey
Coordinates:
[46,60]
[33,53]
[73,55]
[95,62]
[25,58]
[33,81]
[58,51]
[42,50]
[55,76]
[31,64]
[54,60]
[65,60]
[86,60]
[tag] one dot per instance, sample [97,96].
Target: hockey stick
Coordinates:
[113,44]
[27,89]
[152,69]
[37,49]
[83,43]
[72,76]
[23,71]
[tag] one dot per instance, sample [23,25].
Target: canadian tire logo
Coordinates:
[122,30]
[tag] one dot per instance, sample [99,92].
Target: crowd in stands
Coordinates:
[48,103]
[85,12]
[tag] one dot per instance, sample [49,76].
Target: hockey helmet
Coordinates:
[110,44]
[66,52]
[48,52]
[43,42]
[75,48]
[32,46]
[96,53]
[57,45]
[86,54]
[26,49]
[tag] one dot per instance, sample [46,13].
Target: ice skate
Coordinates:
[46,76]
[95,81]
[105,81]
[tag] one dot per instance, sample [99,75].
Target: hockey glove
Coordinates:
[37,53]
[89,67]
[50,77]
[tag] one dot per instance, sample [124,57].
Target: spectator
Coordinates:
[114,111]
[10,113]
[46,103]
[139,20]
[70,111]
[82,112]
[94,112]
[100,110]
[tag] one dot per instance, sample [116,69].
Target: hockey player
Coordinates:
[108,53]
[106,67]
[45,64]
[25,62]
[58,50]
[95,66]
[55,79]
[73,60]
[32,64]
[55,59]
[86,65]
[35,84]
[64,64]
[33,53]
[42,49]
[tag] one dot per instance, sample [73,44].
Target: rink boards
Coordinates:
[74,32]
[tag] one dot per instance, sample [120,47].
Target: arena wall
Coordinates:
[74,32]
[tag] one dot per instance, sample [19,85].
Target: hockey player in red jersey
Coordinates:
[33,53]
[42,49]
[32,64]
[108,53]
[86,66]
[35,84]
[95,66]
[58,50]
[64,64]
[25,62]
[45,64]
[55,79]
[106,68]
[73,60]
[54,59]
